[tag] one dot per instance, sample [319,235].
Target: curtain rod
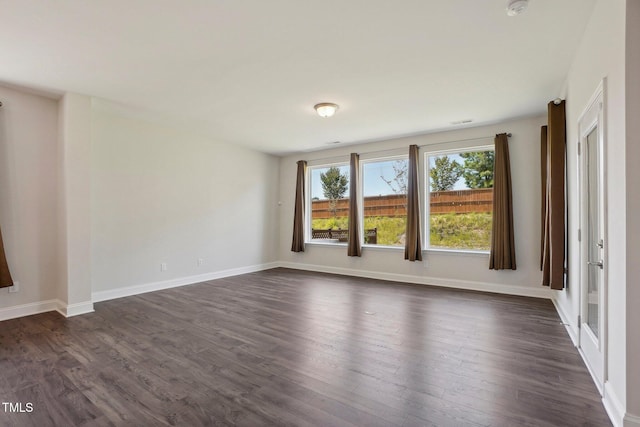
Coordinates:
[340,157]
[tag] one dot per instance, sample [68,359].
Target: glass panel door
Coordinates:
[594,241]
[593,285]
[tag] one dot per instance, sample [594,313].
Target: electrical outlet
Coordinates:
[200,262]
[14,288]
[163,266]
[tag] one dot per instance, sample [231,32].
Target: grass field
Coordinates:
[461,231]
[452,231]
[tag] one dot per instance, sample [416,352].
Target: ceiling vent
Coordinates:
[461,122]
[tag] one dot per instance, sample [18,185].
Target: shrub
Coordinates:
[341,222]
[390,230]
[456,231]
[461,231]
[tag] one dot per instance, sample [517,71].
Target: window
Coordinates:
[460,199]
[384,189]
[329,191]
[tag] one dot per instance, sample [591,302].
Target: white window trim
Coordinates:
[380,247]
[427,191]
[339,161]
[439,152]
[323,242]
[390,156]
[328,162]
[469,252]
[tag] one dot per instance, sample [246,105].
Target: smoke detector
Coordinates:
[516,7]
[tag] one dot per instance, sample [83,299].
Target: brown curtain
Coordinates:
[503,248]
[297,245]
[553,260]
[5,274]
[354,247]
[412,248]
[543,194]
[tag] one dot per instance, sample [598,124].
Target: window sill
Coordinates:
[460,252]
[464,252]
[327,242]
[383,247]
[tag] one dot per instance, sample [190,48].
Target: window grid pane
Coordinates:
[460,195]
[385,201]
[329,191]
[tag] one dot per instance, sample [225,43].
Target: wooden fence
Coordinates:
[454,201]
[461,201]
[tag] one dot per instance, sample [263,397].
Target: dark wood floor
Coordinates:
[283,347]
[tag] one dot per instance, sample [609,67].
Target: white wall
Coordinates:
[633,208]
[74,194]
[92,202]
[161,195]
[601,54]
[463,270]
[28,196]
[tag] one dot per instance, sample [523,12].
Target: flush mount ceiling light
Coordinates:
[326,109]
[516,7]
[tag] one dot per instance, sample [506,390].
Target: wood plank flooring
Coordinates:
[292,348]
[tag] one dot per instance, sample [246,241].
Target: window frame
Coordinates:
[391,156]
[309,200]
[453,147]
[426,217]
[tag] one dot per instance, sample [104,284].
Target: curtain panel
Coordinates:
[5,274]
[354,247]
[412,246]
[554,244]
[297,244]
[543,195]
[503,249]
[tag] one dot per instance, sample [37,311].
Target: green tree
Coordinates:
[334,186]
[478,169]
[444,173]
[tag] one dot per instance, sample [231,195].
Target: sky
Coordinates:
[373,184]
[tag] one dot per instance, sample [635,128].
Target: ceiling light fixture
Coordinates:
[516,7]
[326,109]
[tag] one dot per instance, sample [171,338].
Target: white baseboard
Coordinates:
[87,306]
[28,309]
[613,406]
[174,283]
[540,292]
[631,421]
[70,310]
[566,321]
[45,306]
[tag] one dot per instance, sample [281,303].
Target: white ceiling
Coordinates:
[250,71]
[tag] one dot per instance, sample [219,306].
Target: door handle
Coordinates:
[599,264]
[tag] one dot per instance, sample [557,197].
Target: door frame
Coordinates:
[593,115]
